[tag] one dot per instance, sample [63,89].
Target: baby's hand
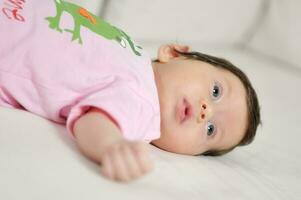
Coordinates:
[126,160]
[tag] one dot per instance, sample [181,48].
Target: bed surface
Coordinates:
[39,161]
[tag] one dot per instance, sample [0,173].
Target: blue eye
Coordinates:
[210,129]
[216,91]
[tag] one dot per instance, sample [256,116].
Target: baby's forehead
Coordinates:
[228,74]
[208,65]
[234,117]
[218,70]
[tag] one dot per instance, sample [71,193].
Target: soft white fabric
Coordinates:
[279,34]
[39,161]
[194,21]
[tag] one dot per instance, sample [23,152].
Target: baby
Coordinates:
[63,63]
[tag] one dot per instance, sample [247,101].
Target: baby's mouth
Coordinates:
[184,111]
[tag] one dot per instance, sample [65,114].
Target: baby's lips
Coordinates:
[184,111]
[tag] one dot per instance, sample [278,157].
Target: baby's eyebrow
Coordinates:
[221,134]
[228,85]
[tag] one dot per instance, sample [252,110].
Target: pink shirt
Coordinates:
[43,71]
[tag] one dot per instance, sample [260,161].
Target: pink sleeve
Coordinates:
[118,102]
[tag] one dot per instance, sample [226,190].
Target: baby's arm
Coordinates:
[101,140]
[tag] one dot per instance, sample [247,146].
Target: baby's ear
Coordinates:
[167,52]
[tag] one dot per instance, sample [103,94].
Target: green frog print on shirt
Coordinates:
[84,18]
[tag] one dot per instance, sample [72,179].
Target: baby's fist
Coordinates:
[126,160]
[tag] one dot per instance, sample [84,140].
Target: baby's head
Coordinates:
[208,106]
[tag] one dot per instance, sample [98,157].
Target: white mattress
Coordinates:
[39,161]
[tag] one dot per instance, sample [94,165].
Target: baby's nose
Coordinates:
[205,112]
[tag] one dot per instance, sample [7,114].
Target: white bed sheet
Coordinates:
[39,161]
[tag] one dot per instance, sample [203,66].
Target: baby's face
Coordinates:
[202,107]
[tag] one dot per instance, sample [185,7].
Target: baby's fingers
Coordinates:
[119,167]
[107,169]
[142,157]
[126,161]
[113,164]
[132,164]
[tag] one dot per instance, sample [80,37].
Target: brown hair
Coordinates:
[252,100]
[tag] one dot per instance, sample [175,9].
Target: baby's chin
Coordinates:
[168,126]
[168,116]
